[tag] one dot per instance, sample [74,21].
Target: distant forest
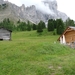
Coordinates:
[57,26]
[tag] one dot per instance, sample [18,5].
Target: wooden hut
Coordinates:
[68,36]
[5,34]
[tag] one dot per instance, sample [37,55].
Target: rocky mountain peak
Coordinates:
[31,8]
[31,13]
[23,7]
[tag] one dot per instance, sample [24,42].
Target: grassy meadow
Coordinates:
[30,53]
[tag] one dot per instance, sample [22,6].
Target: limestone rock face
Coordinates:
[31,13]
[53,7]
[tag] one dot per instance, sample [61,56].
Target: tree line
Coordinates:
[57,26]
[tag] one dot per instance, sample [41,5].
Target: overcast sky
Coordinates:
[66,6]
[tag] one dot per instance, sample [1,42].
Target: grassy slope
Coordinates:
[31,54]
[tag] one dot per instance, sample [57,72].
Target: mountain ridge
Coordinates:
[30,13]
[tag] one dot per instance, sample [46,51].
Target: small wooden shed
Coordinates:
[68,36]
[5,34]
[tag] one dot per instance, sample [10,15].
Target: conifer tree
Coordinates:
[43,24]
[69,22]
[34,27]
[39,27]
[22,26]
[28,26]
[60,26]
[50,25]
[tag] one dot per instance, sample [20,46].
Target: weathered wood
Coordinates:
[5,34]
[69,34]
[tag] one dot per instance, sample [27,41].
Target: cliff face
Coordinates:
[32,14]
[52,4]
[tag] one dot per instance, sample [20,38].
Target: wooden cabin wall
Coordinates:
[5,34]
[70,36]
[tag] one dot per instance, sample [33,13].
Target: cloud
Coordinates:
[17,2]
[44,7]
[67,6]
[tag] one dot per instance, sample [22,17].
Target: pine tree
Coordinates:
[43,24]
[39,28]
[22,26]
[55,24]
[60,26]
[28,26]
[8,24]
[50,25]
[34,27]
[18,21]
[69,22]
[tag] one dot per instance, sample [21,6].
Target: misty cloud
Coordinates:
[17,2]
[44,7]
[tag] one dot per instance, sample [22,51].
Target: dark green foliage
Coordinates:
[7,24]
[18,21]
[28,26]
[60,26]
[22,26]
[50,25]
[43,24]
[34,27]
[69,22]
[39,27]
[55,24]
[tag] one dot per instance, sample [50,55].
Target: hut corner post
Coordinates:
[62,40]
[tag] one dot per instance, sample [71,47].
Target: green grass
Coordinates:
[32,54]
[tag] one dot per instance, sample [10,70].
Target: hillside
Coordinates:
[31,13]
[32,54]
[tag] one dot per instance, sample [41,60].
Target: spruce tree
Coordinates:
[18,21]
[22,26]
[43,24]
[39,28]
[34,27]
[69,22]
[50,25]
[28,26]
[60,26]
[8,24]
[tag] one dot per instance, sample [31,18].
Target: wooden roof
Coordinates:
[70,28]
[6,29]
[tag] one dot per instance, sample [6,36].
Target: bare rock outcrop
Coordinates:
[31,13]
